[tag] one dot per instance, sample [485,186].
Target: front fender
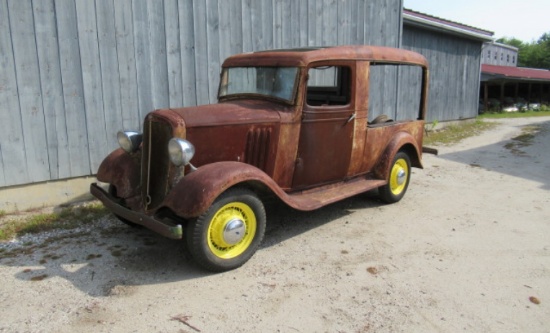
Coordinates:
[121,170]
[195,192]
[401,140]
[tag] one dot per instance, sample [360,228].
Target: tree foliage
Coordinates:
[533,54]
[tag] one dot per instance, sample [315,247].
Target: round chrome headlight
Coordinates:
[181,151]
[129,141]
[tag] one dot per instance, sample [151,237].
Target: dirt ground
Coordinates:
[467,249]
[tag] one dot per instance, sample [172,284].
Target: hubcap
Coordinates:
[234,231]
[398,176]
[401,176]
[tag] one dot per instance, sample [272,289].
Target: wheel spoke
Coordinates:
[217,242]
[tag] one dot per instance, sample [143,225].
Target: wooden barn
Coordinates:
[453,51]
[74,72]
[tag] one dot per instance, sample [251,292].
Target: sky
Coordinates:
[525,20]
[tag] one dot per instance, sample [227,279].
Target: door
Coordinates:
[328,119]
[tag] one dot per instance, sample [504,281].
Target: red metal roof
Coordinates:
[516,72]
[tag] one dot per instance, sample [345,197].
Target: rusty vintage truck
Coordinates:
[302,125]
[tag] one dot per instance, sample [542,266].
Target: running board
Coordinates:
[322,196]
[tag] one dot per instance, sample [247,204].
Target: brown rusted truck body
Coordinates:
[307,144]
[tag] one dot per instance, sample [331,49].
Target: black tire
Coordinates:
[229,232]
[398,179]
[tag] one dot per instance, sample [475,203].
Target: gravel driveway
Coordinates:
[467,249]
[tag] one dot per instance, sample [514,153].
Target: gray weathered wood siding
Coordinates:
[73,72]
[454,72]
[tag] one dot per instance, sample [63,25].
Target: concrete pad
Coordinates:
[45,194]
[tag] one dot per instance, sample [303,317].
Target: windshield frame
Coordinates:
[224,76]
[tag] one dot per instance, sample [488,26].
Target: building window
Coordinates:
[507,58]
[501,57]
[495,56]
[513,59]
[489,54]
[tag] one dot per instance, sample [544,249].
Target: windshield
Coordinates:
[275,82]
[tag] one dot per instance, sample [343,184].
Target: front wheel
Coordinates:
[398,179]
[229,232]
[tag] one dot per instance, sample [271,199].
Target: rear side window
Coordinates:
[384,96]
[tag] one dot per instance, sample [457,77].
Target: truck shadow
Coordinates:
[285,223]
[114,259]
[524,156]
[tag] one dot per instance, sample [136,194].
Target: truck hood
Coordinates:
[231,113]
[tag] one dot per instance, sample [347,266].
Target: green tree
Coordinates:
[511,41]
[534,54]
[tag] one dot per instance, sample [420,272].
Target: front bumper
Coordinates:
[162,228]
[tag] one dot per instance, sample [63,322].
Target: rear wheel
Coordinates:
[229,232]
[398,179]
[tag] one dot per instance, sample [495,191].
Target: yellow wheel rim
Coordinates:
[399,176]
[231,230]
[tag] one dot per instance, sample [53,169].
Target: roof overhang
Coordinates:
[517,74]
[433,25]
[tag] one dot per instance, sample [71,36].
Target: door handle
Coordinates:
[351,118]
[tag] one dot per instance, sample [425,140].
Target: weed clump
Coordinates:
[65,219]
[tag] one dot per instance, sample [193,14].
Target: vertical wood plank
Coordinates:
[266,21]
[213,48]
[329,26]
[225,33]
[256,24]
[173,53]
[30,93]
[236,28]
[13,164]
[315,13]
[201,51]
[98,138]
[124,29]
[158,58]
[187,42]
[293,21]
[52,90]
[142,50]
[277,24]
[109,70]
[358,16]
[286,18]
[344,27]
[247,25]
[73,91]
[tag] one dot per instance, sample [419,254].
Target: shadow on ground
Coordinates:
[525,156]
[113,258]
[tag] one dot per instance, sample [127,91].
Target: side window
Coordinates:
[386,102]
[329,85]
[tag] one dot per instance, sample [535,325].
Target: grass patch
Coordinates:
[66,218]
[526,114]
[455,133]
